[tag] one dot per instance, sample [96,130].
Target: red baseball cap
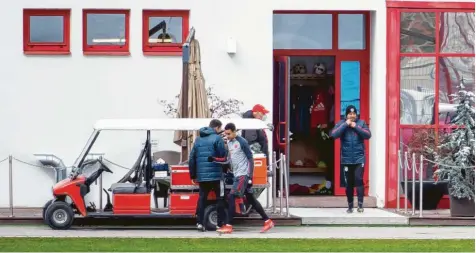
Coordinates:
[260,108]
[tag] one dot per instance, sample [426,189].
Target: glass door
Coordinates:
[352,88]
[281,105]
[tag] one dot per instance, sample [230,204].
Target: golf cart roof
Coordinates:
[174,124]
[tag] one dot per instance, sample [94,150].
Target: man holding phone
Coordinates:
[352,131]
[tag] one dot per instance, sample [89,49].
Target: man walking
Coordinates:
[206,173]
[242,164]
[352,133]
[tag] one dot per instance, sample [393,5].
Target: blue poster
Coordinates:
[350,85]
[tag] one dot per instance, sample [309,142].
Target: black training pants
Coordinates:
[354,177]
[204,189]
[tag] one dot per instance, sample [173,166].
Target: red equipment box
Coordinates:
[131,203]
[180,175]
[260,174]
[183,202]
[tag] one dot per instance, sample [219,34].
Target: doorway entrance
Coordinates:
[318,72]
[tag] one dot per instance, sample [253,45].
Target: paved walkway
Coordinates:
[253,232]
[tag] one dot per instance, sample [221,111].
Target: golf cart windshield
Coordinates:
[160,125]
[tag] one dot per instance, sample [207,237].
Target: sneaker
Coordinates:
[269,224]
[200,227]
[360,210]
[226,229]
[350,210]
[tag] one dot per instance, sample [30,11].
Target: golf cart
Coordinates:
[131,195]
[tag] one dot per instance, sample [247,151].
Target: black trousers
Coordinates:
[253,202]
[354,177]
[204,189]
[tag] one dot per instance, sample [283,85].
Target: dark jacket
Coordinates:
[352,149]
[255,136]
[208,144]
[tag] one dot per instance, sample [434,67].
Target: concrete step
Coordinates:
[339,216]
[327,201]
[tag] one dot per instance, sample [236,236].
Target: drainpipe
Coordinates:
[55,162]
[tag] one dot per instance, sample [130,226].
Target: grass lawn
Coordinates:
[229,245]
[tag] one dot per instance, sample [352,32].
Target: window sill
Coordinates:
[46,53]
[162,53]
[107,53]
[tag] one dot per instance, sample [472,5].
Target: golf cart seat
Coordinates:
[128,188]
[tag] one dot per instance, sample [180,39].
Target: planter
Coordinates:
[432,193]
[461,207]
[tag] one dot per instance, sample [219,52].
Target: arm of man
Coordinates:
[220,150]
[338,129]
[263,141]
[192,162]
[247,150]
[363,130]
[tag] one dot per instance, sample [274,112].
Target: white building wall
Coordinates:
[49,103]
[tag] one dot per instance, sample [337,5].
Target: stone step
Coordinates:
[327,201]
[339,216]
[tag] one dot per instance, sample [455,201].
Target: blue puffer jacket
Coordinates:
[208,144]
[352,149]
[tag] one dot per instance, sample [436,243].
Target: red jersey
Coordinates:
[319,109]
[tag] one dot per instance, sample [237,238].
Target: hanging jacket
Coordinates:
[209,143]
[352,149]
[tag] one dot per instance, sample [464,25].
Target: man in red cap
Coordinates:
[257,137]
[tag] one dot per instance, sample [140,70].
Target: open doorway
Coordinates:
[311,115]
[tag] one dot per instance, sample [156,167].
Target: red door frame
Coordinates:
[356,55]
[394,8]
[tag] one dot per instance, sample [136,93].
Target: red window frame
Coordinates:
[46,48]
[394,10]
[109,49]
[163,49]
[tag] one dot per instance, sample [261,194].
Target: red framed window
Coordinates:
[164,31]
[46,31]
[106,32]
[433,54]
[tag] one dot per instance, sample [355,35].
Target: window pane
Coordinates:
[46,29]
[417,90]
[417,32]
[453,71]
[350,85]
[302,31]
[174,30]
[106,29]
[457,32]
[351,31]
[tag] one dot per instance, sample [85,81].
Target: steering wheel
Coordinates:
[105,167]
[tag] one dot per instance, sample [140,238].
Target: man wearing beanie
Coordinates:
[352,132]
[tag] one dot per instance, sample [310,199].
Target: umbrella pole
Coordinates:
[184,111]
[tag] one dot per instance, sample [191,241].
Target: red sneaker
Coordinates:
[226,229]
[269,224]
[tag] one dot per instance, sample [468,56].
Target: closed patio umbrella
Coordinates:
[194,99]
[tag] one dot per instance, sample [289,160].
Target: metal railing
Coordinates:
[405,166]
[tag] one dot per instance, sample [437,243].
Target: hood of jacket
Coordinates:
[206,131]
[248,115]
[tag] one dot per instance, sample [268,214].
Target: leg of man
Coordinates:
[237,190]
[359,184]
[204,189]
[268,223]
[219,188]
[349,186]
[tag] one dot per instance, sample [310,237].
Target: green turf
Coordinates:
[229,245]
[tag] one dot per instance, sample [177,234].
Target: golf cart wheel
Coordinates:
[47,204]
[211,217]
[59,215]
